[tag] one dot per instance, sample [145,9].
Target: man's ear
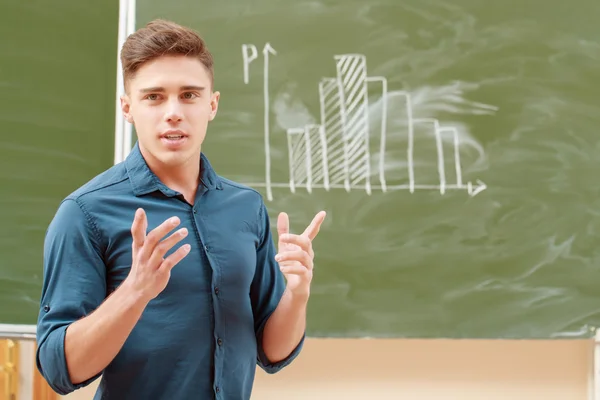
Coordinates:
[214,105]
[126,108]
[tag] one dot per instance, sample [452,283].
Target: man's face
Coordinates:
[170,102]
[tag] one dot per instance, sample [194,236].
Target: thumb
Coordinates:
[283,224]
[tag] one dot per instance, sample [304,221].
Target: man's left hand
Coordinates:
[295,254]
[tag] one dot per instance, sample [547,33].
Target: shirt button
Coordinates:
[220,342]
[217,290]
[217,389]
[194,210]
[46,308]
[207,248]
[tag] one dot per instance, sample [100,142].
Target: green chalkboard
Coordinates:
[473,213]
[58,63]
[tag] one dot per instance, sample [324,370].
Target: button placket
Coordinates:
[204,238]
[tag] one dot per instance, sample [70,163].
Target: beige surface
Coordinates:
[428,369]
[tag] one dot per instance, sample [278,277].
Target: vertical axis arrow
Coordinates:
[266,51]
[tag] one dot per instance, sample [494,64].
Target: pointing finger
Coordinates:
[313,229]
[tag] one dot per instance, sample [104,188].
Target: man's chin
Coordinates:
[175,158]
[172,157]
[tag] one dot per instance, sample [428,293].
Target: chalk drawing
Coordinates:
[335,154]
[248,58]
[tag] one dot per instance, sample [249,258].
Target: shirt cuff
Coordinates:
[272,368]
[52,363]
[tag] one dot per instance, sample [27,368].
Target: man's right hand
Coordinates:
[92,342]
[150,271]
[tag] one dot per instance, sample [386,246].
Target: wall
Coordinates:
[427,370]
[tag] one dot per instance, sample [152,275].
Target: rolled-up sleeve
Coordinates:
[266,292]
[74,284]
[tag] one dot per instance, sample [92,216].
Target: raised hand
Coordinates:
[295,253]
[150,271]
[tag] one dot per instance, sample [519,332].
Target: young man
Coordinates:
[183,302]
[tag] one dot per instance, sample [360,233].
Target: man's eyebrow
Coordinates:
[192,87]
[161,89]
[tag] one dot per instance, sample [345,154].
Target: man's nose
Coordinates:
[173,112]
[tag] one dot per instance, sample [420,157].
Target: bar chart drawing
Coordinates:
[336,153]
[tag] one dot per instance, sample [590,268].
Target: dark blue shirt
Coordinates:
[201,337]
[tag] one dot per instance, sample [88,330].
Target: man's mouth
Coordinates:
[174,139]
[173,135]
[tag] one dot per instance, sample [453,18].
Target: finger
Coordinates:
[138,232]
[301,241]
[294,270]
[298,255]
[156,235]
[174,258]
[144,224]
[313,229]
[283,224]
[164,246]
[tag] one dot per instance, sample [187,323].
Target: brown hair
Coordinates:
[163,38]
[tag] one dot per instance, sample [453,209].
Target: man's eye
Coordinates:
[152,97]
[189,95]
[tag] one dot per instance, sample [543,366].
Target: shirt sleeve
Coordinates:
[266,291]
[74,284]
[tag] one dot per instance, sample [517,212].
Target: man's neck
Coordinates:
[182,178]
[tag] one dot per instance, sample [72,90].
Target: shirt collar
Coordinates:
[144,181]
